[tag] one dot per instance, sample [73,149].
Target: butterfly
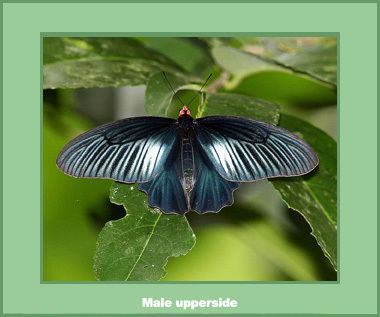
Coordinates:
[187,164]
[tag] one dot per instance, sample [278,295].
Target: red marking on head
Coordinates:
[185,111]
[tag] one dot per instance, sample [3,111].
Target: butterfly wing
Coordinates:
[211,192]
[129,150]
[166,190]
[242,149]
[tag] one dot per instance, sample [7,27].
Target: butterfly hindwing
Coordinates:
[129,150]
[246,150]
[166,190]
[211,192]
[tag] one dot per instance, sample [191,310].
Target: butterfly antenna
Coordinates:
[200,90]
[174,93]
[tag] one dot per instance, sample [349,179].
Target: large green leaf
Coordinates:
[100,62]
[314,195]
[159,101]
[312,58]
[191,53]
[315,57]
[137,247]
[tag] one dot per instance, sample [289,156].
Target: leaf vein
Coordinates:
[144,247]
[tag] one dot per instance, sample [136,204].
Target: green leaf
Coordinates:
[314,196]
[228,104]
[100,62]
[240,63]
[287,90]
[159,100]
[137,247]
[314,56]
[316,62]
[158,95]
[191,53]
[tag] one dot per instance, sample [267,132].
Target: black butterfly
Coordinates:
[187,164]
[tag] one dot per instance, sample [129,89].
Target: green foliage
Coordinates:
[179,50]
[314,195]
[137,247]
[99,62]
[285,78]
[286,89]
[159,96]
[313,58]
[66,203]
[240,63]
[159,101]
[267,254]
[239,105]
[253,77]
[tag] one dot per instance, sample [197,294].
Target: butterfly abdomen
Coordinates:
[187,162]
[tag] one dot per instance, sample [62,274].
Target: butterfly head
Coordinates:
[185,111]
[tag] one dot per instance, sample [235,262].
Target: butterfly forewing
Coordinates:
[129,150]
[242,149]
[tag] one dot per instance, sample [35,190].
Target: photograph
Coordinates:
[189,159]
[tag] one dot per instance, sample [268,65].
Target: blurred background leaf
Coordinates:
[315,57]
[267,254]
[69,237]
[259,237]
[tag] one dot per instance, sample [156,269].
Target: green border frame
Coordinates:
[194,1]
[187,34]
[21,296]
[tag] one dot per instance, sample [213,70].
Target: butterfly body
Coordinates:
[187,158]
[187,164]
[185,123]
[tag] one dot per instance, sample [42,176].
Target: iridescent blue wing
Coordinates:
[242,149]
[129,150]
[211,192]
[166,190]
